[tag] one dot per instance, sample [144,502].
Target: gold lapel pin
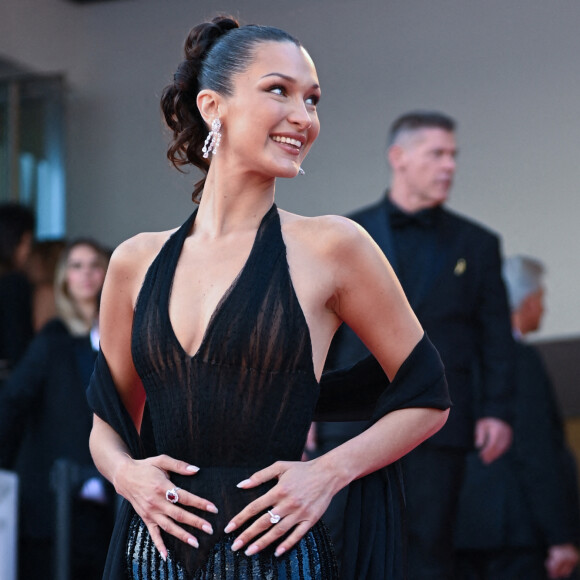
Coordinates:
[460,267]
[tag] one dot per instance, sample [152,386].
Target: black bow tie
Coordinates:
[400,219]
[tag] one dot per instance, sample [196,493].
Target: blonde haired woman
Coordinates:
[44,416]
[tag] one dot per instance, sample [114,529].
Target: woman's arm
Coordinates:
[367,296]
[142,482]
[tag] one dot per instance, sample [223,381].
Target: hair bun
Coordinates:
[225,23]
[204,36]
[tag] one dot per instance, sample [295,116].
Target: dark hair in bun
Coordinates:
[214,52]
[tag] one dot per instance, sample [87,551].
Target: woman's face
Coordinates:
[270,121]
[85,273]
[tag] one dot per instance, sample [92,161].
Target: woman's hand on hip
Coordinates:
[146,484]
[289,509]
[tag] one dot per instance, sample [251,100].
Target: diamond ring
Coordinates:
[274,518]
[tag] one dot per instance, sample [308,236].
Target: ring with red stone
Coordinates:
[171,495]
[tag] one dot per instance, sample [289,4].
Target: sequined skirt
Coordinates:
[311,559]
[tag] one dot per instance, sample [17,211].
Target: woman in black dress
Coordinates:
[214,335]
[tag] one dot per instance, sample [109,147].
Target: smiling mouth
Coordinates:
[287,141]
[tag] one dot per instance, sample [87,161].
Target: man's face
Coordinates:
[425,165]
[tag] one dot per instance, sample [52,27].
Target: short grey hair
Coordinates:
[414,121]
[522,276]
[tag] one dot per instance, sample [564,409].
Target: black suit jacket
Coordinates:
[44,416]
[461,302]
[15,316]
[529,497]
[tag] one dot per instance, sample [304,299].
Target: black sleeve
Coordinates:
[105,402]
[19,394]
[16,330]
[496,340]
[363,391]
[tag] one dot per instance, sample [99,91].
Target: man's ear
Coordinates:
[208,103]
[526,304]
[395,155]
[526,313]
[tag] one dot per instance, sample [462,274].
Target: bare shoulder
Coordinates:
[329,235]
[131,259]
[141,246]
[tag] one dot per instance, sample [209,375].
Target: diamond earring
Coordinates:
[212,141]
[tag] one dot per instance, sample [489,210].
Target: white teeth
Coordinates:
[288,140]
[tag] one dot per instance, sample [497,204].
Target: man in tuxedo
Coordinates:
[450,270]
[519,517]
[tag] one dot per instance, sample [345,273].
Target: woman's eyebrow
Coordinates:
[286,77]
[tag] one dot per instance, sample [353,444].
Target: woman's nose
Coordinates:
[300,115]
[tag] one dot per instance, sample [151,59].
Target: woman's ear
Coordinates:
[208,103]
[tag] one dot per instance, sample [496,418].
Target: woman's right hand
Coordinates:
[144,484]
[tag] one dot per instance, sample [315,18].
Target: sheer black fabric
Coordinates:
[244,400]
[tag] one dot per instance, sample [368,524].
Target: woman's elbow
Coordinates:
[438,418]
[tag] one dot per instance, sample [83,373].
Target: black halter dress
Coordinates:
[244,400]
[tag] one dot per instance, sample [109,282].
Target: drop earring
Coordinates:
[212,141]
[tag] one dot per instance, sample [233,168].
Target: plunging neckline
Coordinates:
[221,302]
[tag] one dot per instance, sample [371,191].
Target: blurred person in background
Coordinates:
[44,417]
[450,269]
[41,269]
[519,516]
[16,234]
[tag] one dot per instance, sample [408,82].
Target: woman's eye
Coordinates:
[278,90]
[313,100]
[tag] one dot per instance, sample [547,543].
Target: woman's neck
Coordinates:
[229,203]
[88,311]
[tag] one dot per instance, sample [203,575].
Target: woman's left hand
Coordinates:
[300,497]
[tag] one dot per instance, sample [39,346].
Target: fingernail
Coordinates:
[192,468]
[163,556]
[279,551]
[230,528]
[244,483]
[251,550]
[193,542]
[237,545]
[207,529]
[211,508]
